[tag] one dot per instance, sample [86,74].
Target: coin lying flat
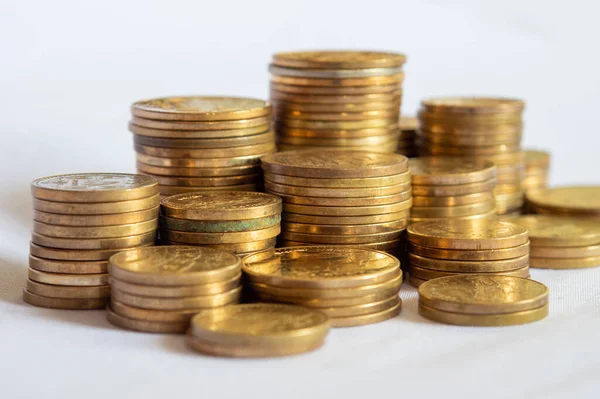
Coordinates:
[67,266]
[468,266]
[204,154]
[470,255]
[428,274]
[235,350]
[342,239]
[484,320]
[468,199]
[337,133]
[325,100]
[95,231]
[197,134]
[288,218]
[114,243]
[576,200]
[238,248]
[473,105]
[333,211]
[73,254]
[201,163]
[63,303]
[241,141]
[153,315]
[338,59]
[145,325]
[208,182]
[366,182]
[376,317]
[560,231]
[403,197]
[334,73]
[347,312]
[67,279]
[221,238]
[96,208]
[454,190]
[449,171]
[197,172]
[339,229]
[565,252]
[535,158]
[96,220]
[337,192]
[453,211]
[225,226]
[176,291]
[262,121]
[66,291]
[570,263]
[388,80]
[175,190]
[336,90]
[178,303]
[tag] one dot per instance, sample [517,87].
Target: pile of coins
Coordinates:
[346,198]
[235,221]
[337,99]
[350,285]
[192,144]
[258,330]
[407,142]
[483,300]
[159,289]
[449,247]
[80,220]
[577,201]
[452,188]
[537,165]
[482,129]
[562,242]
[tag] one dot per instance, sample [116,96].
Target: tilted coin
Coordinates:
[376,317]
[483,294]
[342,239]
[220,238]
[334,73]
[374,141]
[75,254]
[260,138]
[575,200]
[344,220]
[67,279]
[208,181]
[468,266]
[565,252]
[337,133]
[320,267]
[114,243]
[470,255]
[227,226]
[94,187]
[201,125]
[96,220]
[338,192]
[333,124]
[176,291]
[67,266]
[476,235]
[336,91]
[246,161]
[153,315]
[560,231]
[64,303]
[344,229]
[196,108]
[338,59]
[158,171]
[95,232]
[175,190]
[484,320]
[174,266]
[66,291]
[334,211]
[96,208]
[196,153]
[327,100]
[570,263]
[428,274]
[198,134]
[449,171]
[473,105]
[453,211]
[178,303]
[145,325]
[468,199]
[365,182]
[454,190]
[396,79]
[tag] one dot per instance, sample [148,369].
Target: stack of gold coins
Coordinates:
[341,197]
[158,289]
[577,201]
[452,188]
[537,165]
[482,300]
[407,144]
[479,128]
[350,285]
[337,99]
[240,222]
[448,247]
[562,242]
[80,220]
[258,330]
[192,144]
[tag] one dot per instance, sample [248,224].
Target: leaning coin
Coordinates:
[64,303]
[67,279]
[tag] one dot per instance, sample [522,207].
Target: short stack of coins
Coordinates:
[80,220]
[349,198]
[576,201]
[159,289]
[452,188]
[483,300]
[562,242]
[350,285]
[537,165]
[337,99]
[407,144]
[483,129]
[192,144]
[236,221]
[449,247]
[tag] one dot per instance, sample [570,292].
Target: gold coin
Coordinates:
[65,291]
[201,108]
[336,91]
[469,140]
[152,315]
[366,182]
[157,171]
[376,317]
[445,150]
[94,243]
[94,187]
[208,181]
[96,208]
[403,197]
[74,254]
[198,134]
[176,291]
[570,263]
[484,320]
[513,159]
[388,147]
[565,252]
[453,211]
[470,255]
[68,267]
[320,267]
[221,238]
[63,303]
[296,109]
[454,190]
[344,229]
[451,201]
[248,161]
[473,105]
[322,102]
[145,325]
[491,215]
[95,232]
[454,129]
[228,226]
[96,220]
[344,220]
[341,142]
[476,235]
[409,123]
[415,282]
[332,303]
[291,117]
[468,266]
[427,274]
[201,125]
[338,192]
[338,59]
[176,190]
[180,303]
[334,73]
[342,239]
[357,124]
[67,279]
[449,171]
[396,79]
[238,248]
[347,210]
[489,119]
[266,137]
[337,133]
[360,310]
[174,266]
[390,247]
[483,294]
[572,200]
[197,153]
[534,158]
[560,231]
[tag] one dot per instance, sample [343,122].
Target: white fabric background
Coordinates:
[70,69]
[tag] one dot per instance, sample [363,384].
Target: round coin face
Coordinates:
[561,231]
[320,266]
[338,59]
[451,171]
[584,199]
[477,293]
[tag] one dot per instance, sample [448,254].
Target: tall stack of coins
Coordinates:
[537,165]
[448,247]
[347,198]
[337,99]
[80,220]
[240,222]
[483,129]
[258,330]
[577,201]
[562,242]
[352,286]
[407,144]
[452,188]
[192,144]
[158,289]
[481,300]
